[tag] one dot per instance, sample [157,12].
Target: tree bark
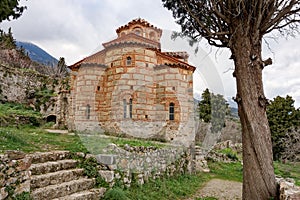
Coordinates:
[258,172]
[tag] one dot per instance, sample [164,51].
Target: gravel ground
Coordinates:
[220,189]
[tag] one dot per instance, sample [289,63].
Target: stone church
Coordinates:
[134,89]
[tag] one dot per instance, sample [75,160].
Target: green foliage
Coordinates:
[213,108]
[282,117]
[230,153]
[23,196]
[43,95]
[204,106]
[115,194]
[10,9]
[90,167]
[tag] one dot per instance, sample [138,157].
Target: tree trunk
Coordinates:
[258,172]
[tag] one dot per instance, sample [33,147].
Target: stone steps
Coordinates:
[92,194]
[41,157]
[63,189]
[55,176]
[38,181]
[52,166]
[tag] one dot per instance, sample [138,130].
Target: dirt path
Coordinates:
[220,189]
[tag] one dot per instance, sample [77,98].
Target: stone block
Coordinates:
[107,175]
[119,70]
[139,76]
[149,53]
[106,159]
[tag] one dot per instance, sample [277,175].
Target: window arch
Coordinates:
[88,111]
[128,61]
[130,108]
[171,111]
[152,36]
[138,31]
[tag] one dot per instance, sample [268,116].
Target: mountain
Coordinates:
[37,54]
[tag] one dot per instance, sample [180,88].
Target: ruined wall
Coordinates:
[43,93]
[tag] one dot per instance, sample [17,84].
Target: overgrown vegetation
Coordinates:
[90,167]
[230,153]
[18,114]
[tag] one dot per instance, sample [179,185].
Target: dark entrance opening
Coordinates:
[51,118]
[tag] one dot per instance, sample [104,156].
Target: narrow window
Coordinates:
[88,111]
[124,108]
[171,111]
[98,88]
[128,60]
[130,108]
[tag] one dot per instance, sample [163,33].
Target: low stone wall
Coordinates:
[287,189]
[143,163]
[14,173]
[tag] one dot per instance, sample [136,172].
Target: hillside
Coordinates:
[37,54]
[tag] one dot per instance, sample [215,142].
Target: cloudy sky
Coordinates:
[76,28]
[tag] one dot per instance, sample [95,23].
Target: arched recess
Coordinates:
[51,118]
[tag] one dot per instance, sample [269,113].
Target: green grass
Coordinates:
[177,187]
[227,171]
[95,143]
[30,139]
[288,170]
[11,113]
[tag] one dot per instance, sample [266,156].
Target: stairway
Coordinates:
[54,176]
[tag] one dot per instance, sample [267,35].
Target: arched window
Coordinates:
[152,36]
[171,111]
[128,60]
[130,108]
[88,111]
[124,108]
[138,31]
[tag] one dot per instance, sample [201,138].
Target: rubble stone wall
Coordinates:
[14,173]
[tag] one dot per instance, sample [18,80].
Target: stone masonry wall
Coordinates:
[133,99]
[14,173]
[141,163]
